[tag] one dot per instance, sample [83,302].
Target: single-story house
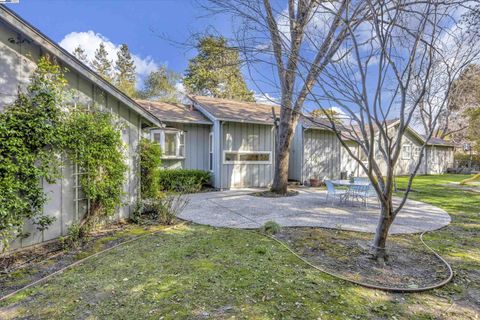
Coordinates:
[233,140]
[184,136]
[21,45]
[438,154]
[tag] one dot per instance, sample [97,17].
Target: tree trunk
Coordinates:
[385,221]
[282,155]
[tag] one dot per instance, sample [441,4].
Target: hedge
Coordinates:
[183,180]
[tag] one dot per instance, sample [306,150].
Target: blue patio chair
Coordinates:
[334,193]
[361,179]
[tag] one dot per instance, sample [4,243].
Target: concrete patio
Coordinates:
[239,209]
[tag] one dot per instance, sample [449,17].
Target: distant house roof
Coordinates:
[229,110]
[73,63]
[315,123]
[173,112]
[437,141]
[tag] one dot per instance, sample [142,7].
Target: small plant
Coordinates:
[270,227]
[75,234]
[137,213]
[165,208]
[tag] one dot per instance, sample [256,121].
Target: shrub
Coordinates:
[29,145]
[463,160]
[181,180]
[93,141]
[271,227]
[150,161]
[75,234]
[165,208]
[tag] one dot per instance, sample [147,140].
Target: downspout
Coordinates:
[302,156]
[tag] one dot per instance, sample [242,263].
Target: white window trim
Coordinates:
[409,152]
[177,147]
[210,151]
[247,152]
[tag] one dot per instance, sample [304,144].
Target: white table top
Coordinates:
[348,183]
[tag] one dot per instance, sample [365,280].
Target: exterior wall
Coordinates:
[296,155]
[245,137]
[17,62]
[348,164]
[196,147]
[322,155]
[439,158]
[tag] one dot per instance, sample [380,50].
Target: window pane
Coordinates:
[156,137]
[170,147]
[230,156]
[254,157]
[210,163]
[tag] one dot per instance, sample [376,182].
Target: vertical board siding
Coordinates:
[196,147]
[322,155]
[295,159]
[246,137]
[17,63]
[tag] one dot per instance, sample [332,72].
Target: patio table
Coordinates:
[350,185]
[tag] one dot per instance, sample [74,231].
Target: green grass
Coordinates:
[198,272]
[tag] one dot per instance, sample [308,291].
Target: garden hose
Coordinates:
[372,286]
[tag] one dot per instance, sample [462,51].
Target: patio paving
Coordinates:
[239,209]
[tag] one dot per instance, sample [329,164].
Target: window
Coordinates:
[172,142]
[210,151]
[407,152]
[247,157]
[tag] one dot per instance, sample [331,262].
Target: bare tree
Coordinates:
[283,38]
[401,60]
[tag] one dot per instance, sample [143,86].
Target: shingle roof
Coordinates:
[173,112]
[315,123]
[437,141]
[229,110]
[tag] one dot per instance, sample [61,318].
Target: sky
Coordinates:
[155,31]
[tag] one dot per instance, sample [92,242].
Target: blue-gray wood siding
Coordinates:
[322,156]
[17,62]
[246,137]
[296,155]
[196,147]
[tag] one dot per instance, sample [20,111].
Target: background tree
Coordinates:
[159,85]
[327,114]
[101,64]
[80,54]
[125,71]
[215,71]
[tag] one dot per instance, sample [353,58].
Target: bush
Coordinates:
[462,160]
[150,161]
[181,180]
[164,209]
[270,227]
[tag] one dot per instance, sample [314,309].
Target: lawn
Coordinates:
[202,272]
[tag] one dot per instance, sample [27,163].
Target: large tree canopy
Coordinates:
[125,71]
[160,85]
[215,71]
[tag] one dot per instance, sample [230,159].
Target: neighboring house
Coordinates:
[184,135]
[438,154]
[21,45]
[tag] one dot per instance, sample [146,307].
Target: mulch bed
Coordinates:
[25,266]
[269,194]
[409,265]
